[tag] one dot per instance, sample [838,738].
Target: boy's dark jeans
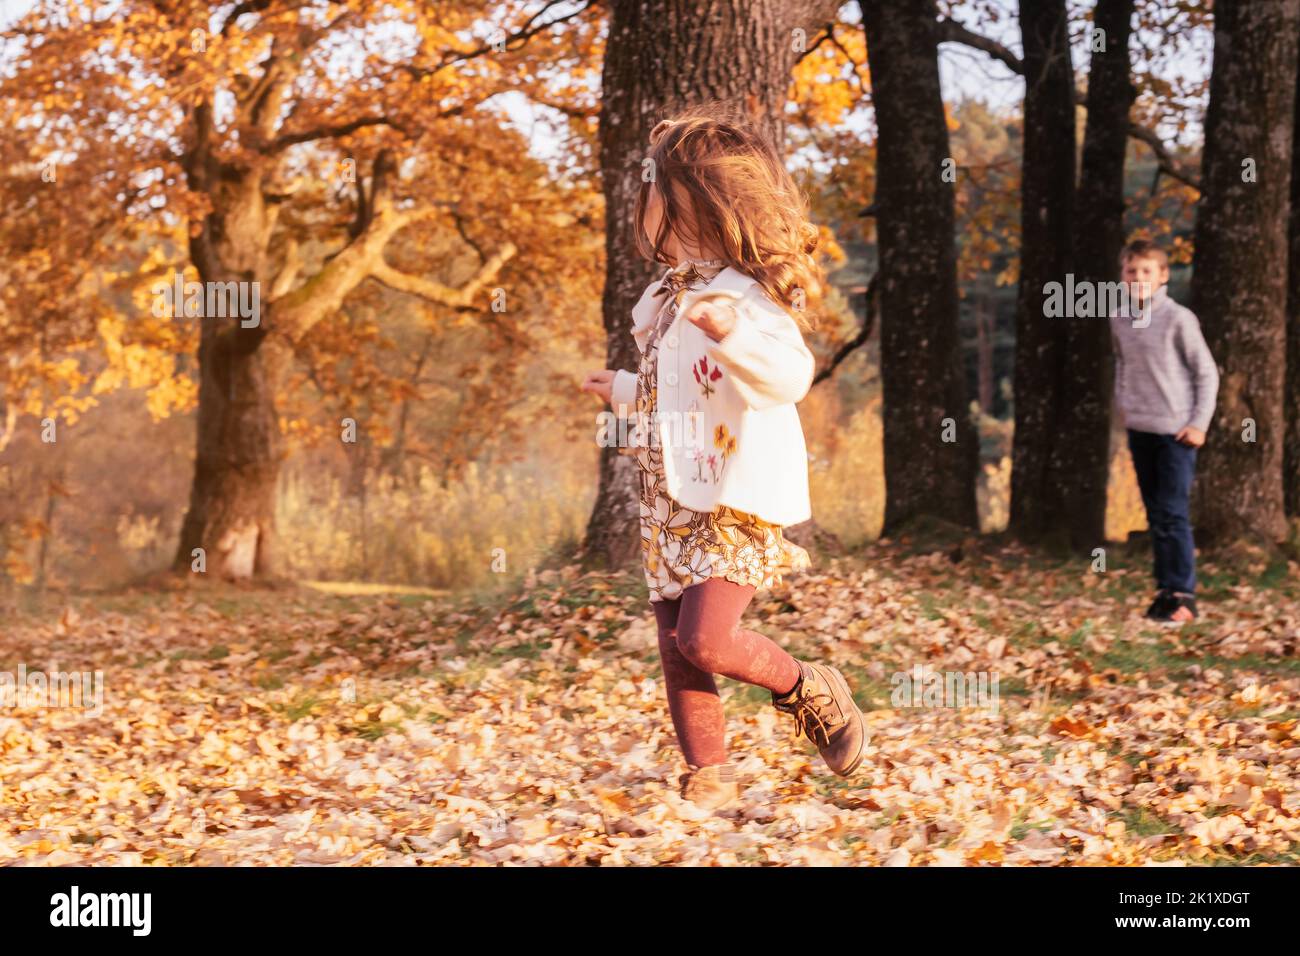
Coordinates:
[1164,472]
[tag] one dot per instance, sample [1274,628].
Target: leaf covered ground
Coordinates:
[530,726]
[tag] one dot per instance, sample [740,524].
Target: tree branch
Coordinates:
[456,298]
[859,340]
[333,131]
[826,35]
[288,271]
[1164,158]
[950,31]
[521,36]
[857,74]
[251,6]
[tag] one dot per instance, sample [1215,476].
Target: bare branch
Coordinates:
[333,131]
[568,109]
[456,298]
[953,32]
[857,74]
[824,37]
[859,340]
[513,42]
[1164,158]
[950,31]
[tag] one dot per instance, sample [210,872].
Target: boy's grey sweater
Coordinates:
[1165,377]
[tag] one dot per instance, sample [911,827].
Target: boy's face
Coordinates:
[1149,273]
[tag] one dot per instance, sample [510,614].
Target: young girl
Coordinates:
[725,466]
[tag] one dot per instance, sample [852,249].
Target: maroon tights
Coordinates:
[699,636]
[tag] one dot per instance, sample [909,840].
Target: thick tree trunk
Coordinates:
[237,462]
[1291,440]
[663,56]
[1082,462]
[229,529]
[1239,280]
[1047,228]
[931,446]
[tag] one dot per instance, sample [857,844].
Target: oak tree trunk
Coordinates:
[663,56]
[237,461]
[931,447]
[229,528]
[1239,279]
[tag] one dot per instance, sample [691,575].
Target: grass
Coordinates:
[1141,822]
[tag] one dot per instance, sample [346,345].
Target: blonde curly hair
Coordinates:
[724,187]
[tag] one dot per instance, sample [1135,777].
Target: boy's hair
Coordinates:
[723,185]
[1143,249]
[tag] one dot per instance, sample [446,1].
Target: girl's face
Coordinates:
[674,249]
[654,214]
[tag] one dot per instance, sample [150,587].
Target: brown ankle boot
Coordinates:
[825,713]
[710,786]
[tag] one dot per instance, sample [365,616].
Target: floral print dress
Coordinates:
[681,547]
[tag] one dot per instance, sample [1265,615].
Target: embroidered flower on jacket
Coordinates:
[724,440]
[697,455]
[705,376]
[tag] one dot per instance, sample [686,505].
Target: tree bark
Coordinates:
[231,516]
[1291,440]
[1046,252]
[931,446]
[661,57]
[1239,279]
[1082,462]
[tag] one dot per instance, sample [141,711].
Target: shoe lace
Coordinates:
[808,719]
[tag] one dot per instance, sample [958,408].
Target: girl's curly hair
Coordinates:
[724,187]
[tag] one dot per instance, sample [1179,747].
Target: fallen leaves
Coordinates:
[366,731]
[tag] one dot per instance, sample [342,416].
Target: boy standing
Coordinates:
[1165,387]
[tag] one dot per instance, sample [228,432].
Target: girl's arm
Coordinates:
[764,352]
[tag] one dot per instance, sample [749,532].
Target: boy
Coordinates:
[1165,387]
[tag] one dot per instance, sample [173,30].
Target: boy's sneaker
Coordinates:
[1180,609]
[711,786]
[825,713]
[1161,606]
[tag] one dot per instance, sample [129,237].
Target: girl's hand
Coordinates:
[714,319]
[1190,436]
[600,384]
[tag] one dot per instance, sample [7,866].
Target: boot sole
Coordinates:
[862,747]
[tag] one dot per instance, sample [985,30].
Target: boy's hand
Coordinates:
[600,384]
[1191,436]
[714,319]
